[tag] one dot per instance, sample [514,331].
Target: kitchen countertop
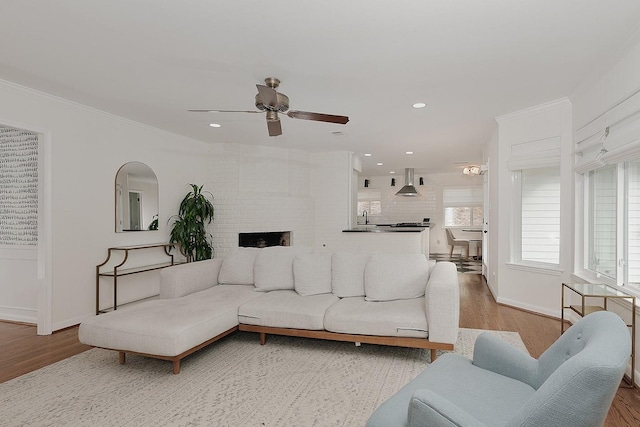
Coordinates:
[385,229]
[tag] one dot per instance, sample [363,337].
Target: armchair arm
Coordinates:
[493,354]
[427,408]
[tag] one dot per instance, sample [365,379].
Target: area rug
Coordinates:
[234,382]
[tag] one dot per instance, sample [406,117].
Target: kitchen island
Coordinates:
[388,239]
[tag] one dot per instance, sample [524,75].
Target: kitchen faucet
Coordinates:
[366,217]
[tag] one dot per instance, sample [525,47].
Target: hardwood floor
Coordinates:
[22,351]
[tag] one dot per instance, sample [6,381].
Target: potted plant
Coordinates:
[154,223]
[189,230]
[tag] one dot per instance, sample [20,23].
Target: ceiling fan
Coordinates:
[273,102]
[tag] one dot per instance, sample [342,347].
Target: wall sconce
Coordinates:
[471,170]
[475,170]
[366,183]
[393,182]
[421,181]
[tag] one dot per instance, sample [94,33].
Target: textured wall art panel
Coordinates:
[18,187]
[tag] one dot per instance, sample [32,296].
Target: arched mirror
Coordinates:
[136,198]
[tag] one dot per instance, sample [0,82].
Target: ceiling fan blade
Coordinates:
[318,117]
[274,127]
[223,111]
[268,95]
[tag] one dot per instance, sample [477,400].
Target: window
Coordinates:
[601,220]
[370,201]
[633,221]
[463,207]
[612,224]
[536,216]
[373,207]
[540,215]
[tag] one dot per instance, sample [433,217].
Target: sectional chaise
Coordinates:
[398,300]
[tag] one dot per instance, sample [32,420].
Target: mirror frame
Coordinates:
[149,180]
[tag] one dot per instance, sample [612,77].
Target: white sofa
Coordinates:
[400,300]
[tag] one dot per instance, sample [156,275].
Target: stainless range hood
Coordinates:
[408,189]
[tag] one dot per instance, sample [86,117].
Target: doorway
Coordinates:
[25,233]
[135,210]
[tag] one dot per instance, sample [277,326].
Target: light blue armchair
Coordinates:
[572,384]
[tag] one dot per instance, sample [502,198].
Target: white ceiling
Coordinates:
[469,60]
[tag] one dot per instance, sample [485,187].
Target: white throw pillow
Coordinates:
[347,274]
[312,274]
[274,267]
[393,277]
[237,267]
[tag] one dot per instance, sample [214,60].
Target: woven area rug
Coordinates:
[233,382]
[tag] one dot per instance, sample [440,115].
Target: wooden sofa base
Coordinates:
[334,336]
[325,335]
[175,359]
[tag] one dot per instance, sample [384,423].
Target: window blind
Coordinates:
[462,196]
[602,220]
[612,137]
[633,223]
[540,228]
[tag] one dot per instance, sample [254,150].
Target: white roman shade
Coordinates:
[536,154]
[610,138]
[462,196]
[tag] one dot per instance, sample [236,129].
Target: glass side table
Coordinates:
[604,293]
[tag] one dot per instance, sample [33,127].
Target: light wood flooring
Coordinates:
[22,351]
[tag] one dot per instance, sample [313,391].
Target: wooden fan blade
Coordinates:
[318,117]
[223,111]
[275,128]
[268,96]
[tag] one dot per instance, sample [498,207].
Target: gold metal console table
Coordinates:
[116,272]
[604,292]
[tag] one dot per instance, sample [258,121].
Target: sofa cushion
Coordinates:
[168,327]
[347,274]
[287,309]
[273,268]
[390,277]
[237,267]
[399,318]
[312,273]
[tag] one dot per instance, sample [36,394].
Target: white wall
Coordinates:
[255,190]
[537,128]
[492,214]
[413,209]
[331,183]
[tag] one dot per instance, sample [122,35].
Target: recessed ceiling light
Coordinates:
[408,152]
[214,125]
[392,171]
[367,154]
[379,163]
[337,133]
[419,105]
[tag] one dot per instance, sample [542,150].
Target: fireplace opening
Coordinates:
[264,239]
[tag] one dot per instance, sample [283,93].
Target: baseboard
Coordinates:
[528,307]
[70,322]
[16,314]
